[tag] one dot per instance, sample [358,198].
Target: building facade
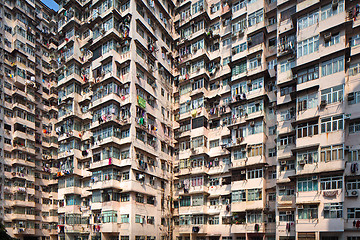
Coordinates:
[267,133]
[208,120]
[115,119]
[28,114]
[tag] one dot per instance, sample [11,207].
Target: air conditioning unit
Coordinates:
[352,193]
[281,188]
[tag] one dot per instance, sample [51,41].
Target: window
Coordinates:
[214,201]
[333,210]
[139,198]
[240,25]
[197,200]
[238,5]
[286,66]
[254,194]
[226,42]
[355,40]
[332,153]
[226,61]
[354,127]
[330,183]
[254,173]
[287,165]
[239,48]
[239,69]
[214,143]
[272,64]
[272,152]
[287,216]
[308,20]
[333,94]
[335,39]
[353,238]
[214,181]
[353,213]
[283,142]
[256,17]
[150,220]
[332,66]
[139,218]
[354,98]
[257,127]
[109,216]
[185,201]
[307,157]
[354,155]
[307,129]
[308,212]
[308,74]
[353,184]
[308,46]
[307,102]
[287,191]
[254,217]
[272,196]
[255,150]
[239,153]
[272,130]
[332,124]
[354,69]
[329,11]
[254,63]
[307,184]
[238,196]
[213,220]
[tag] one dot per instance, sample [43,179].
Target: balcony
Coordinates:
[110,227]
[286,200]
[112,161]
[304,4]
[183,229]
[332,21]
[113,184]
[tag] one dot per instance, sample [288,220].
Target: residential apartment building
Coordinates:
[208,120]
[115,119]
[267,113]
[28,114]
